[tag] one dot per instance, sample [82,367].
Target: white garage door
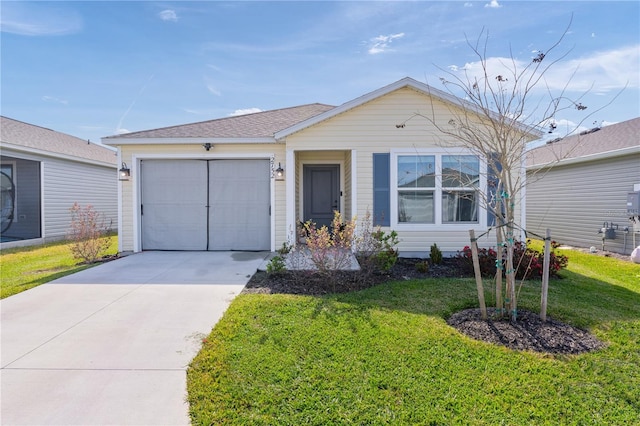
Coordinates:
[205,205]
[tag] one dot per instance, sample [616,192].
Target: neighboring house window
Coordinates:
[436,188]
[7,169]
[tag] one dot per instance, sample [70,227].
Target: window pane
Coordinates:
[416,171]
[415,207]
[7,169]
[460,206]
[460,171]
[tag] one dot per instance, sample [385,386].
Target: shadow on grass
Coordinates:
[581,301]
[43,279]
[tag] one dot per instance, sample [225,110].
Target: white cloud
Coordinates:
[245,111]
[494,4]
[381,43]
[55,100]
[38,19]
[209,84]
[599,73]
[467,4]
[168,15]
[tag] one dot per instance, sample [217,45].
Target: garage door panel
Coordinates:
[174,215]
[239,199]
[175,197]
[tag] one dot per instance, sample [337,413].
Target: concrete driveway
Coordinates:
[110,345]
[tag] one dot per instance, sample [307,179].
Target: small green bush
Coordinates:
[436,255]
[422,266]
[276,265]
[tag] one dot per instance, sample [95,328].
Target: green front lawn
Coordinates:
[386,356]
[27,267]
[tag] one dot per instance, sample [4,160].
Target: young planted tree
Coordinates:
[501,112]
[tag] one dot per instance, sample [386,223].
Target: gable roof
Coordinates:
[405,82]
[610,141]
[255,127]
[39,140]
[275,125]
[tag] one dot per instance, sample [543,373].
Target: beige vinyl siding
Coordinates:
[128,152]
[67,182]
[371,128]
[574,201]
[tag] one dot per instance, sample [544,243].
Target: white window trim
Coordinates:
[438,225]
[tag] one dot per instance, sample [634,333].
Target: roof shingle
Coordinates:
[256,125]
[49,141]
[609,138]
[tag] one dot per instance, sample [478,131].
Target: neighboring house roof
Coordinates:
[610,141]
[272,126]
[35,139]
[259,126]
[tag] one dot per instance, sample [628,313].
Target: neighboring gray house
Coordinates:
[580,184]
[43,173]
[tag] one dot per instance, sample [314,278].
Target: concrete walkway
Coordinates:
[110,345]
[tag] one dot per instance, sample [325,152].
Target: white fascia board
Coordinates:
[38,153]
[585,158]
[186,141]
[405,82]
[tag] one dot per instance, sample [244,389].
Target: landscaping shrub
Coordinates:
[330,249]
[276,265]
[88,232]
[435,255]
[375,249]
[528,262]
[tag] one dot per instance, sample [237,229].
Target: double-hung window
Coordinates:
[436,188]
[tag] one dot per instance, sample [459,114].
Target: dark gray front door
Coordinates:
[321,193]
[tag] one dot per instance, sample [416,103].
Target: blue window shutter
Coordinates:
[381,189]
[492,186]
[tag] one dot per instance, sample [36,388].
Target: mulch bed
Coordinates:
[527,333]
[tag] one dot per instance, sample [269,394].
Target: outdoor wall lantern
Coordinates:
[124,172]
[207,146]
[279,172]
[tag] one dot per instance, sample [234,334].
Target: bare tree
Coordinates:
[501,112]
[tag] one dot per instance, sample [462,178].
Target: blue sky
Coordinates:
[93,69]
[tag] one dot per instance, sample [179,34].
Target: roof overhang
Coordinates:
[123,140]
[586,158]
[405,82]
[50,154]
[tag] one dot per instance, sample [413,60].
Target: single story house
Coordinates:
[44,173]
[581,184]
[246,182]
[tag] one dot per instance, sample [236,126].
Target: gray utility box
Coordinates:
[633,203]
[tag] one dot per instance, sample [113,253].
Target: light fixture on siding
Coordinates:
[279,172]
[207,146]
[125,173]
